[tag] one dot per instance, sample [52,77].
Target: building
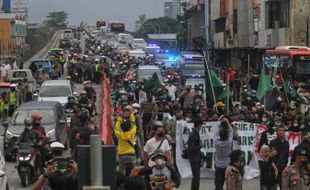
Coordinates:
[168,9]
[242,30]
[20,7]
[176,5]
[12,33]
[196,23]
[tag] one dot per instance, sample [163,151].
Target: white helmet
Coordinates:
[57,145]
[136,105]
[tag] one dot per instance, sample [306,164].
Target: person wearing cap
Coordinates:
[84,101]
[233,173]
[97,71]
[161,174]
[91,94]
[125,132]
[296,176]
[194,154]
[158,142]
[281,146]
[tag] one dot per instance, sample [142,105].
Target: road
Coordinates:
[15,184]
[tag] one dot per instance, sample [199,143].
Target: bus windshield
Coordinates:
[275,60]
[193,69]
[302,64]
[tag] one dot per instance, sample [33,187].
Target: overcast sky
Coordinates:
[90,10]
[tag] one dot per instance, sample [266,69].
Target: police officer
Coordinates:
[296,176]
[13,99]
[233,173]
[97,71]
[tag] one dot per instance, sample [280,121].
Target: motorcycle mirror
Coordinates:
[5,124]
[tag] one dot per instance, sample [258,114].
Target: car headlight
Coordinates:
[51,134]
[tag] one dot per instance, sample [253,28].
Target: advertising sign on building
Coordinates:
[191,4]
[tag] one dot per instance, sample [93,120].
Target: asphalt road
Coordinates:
[15,184]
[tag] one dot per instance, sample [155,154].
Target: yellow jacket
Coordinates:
[124,146]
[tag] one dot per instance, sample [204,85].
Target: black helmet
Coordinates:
[28,121]
[70,97]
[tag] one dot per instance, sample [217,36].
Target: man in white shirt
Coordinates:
[171,90]
[158,142]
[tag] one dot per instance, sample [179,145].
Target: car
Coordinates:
[3,178]
[4,87]
[139,43]
[65,44]
[68,34]
[137,54]
[56,51]
[21,74]
[56,90]
[43,64]
[53,115]
[145,72]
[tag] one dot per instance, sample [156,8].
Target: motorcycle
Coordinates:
[26,160]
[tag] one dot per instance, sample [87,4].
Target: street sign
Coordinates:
[23,45]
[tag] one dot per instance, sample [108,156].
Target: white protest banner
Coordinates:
[245,142]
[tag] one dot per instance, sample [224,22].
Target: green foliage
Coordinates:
[155,26]
[57,19]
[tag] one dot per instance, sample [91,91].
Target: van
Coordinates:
[139,43]
[145,72]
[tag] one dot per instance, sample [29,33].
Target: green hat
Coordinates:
[280,126]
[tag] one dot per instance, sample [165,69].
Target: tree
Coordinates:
[57,19]
[141,21]
[157,25]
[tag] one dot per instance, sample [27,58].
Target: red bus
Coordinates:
[295,59]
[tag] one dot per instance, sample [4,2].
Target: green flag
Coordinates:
[218,87]
[152,84]
[263,85]
[292,93]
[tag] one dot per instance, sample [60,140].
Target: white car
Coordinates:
[139,43]
[3,178]
[137,54]
[56,90]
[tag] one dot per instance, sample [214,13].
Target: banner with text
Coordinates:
[248,139]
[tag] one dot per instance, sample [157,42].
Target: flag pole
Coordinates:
[288,102]
[211,84]
[265,109]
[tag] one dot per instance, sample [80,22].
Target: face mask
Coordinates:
[264,119]
[123,96]
[29,127]
[248,98]
[159,162]
[161,135]
[188,119]
[245,90]
[279,99]
[304,163]
[135,111]
[295,124]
